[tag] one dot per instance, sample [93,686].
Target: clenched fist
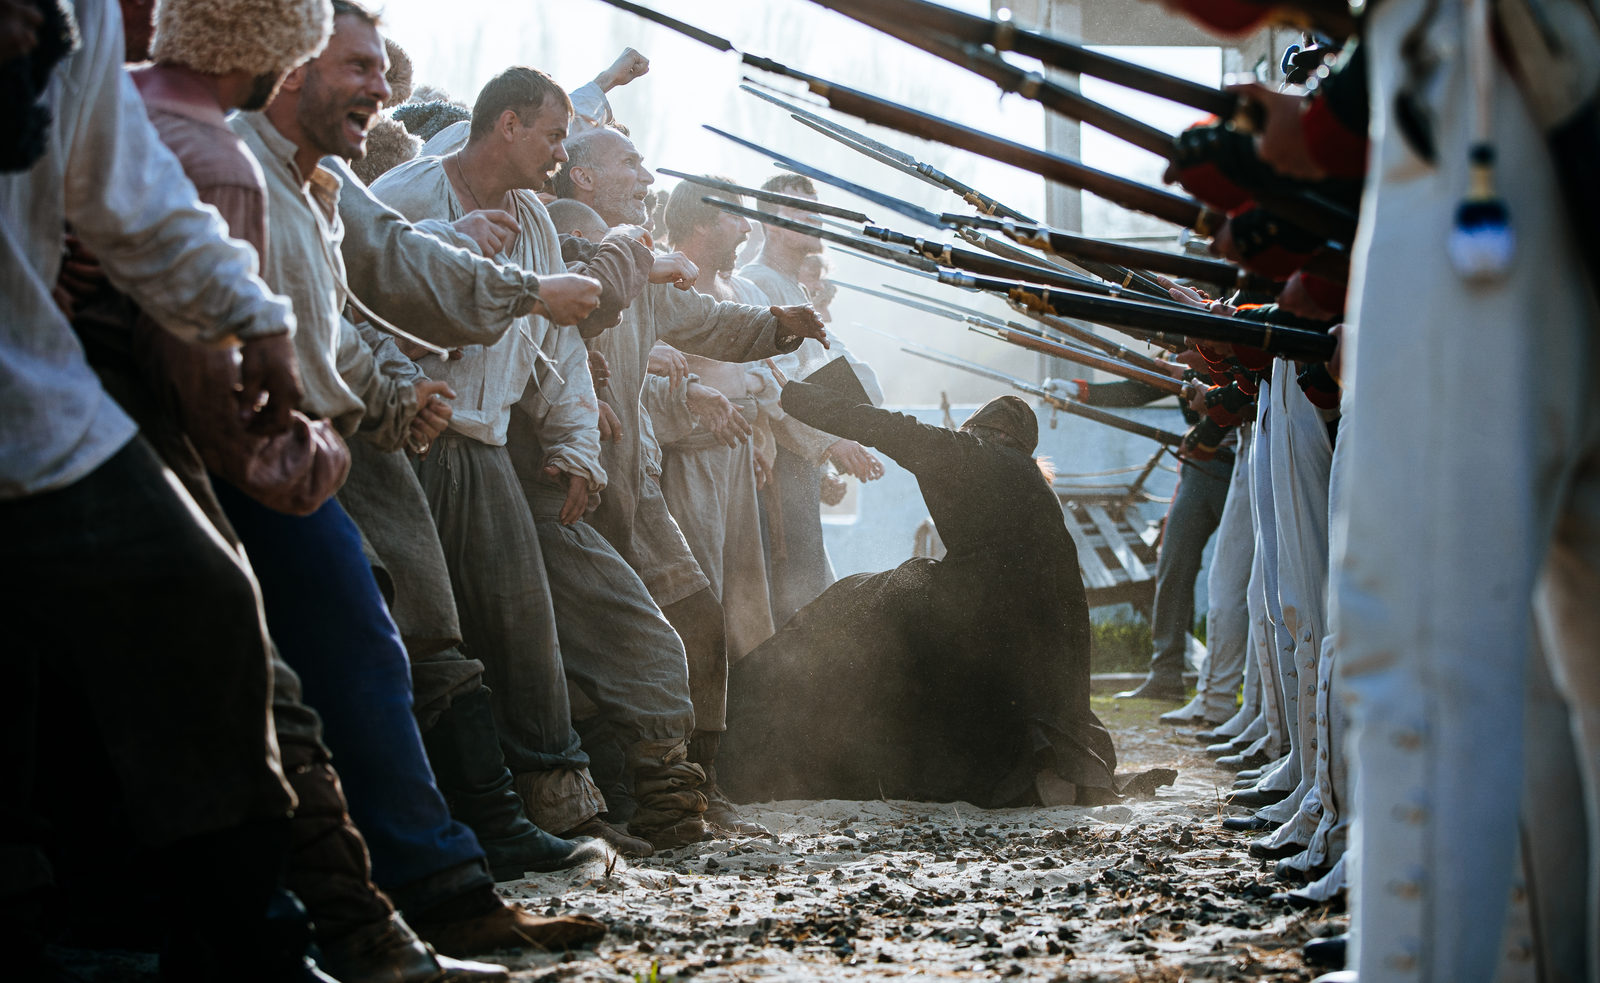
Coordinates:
[567,298]
[491,228]
[674,268]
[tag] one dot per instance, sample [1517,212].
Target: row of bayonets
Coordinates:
[1041,271]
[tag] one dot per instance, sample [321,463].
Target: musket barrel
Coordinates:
[1295,343]
[919,17]
[1157,380]
[1072,246]
[1121,191]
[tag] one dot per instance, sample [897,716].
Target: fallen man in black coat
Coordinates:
[961,679]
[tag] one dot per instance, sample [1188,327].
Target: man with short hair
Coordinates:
[800,570]
[323,602]
[611,178]
[504,582]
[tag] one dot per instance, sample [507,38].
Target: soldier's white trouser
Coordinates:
[1274,646]
[1472,477]
[1324,818]
[1302,455]
[1228,620]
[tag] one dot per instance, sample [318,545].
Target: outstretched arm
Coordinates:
[915,446]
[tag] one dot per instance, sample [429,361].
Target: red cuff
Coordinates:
[1340,151]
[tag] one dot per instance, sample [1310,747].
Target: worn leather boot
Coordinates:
[612,836]
[669,790]
[480,921]
[390,952]
[721,813]
[470,769]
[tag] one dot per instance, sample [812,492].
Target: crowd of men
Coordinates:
[426,469]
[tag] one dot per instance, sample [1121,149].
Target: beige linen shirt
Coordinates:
[542,366]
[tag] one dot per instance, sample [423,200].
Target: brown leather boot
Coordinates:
[628,846]
[721,814]
[481,921]
[667,787]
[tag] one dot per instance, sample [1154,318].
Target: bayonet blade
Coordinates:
[772,197]
[913,212]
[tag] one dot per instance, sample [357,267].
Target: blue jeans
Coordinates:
[330,623]
[1192,518]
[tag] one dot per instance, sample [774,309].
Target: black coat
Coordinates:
[939,680]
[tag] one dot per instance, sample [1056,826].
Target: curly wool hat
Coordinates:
[426,119]
[258,36]
[399,75]
[388,146]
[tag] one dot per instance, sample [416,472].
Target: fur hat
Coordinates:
[388,146]
[400,71]
[425,119]
[258,36]
[1012,418]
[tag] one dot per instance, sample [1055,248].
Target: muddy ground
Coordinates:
[1151,890]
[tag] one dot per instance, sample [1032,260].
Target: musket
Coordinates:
[1005,35]
[1053,400]
[771,197]
[1295,343]
[1131,360]
[1116,276]
[895,158]
[913,260]
[1076,247]
[1064,170]
[1071,353]
[1047,346]
[1133,280]
[976,262]
[1162,340]
[1304,208]
[907,164]
[922,254]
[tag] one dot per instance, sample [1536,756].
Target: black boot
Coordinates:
[228,915]
[720,810]
[470,768]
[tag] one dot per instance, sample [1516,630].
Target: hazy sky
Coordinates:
[460,44]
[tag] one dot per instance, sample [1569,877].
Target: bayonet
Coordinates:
[1121,276]
[1060,330]
[913,212]
[1072,353]
[771,197]
[898,159]
[913,260]
[1053,400]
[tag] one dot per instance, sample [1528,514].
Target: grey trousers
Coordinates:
[1193,516]
[616,645]
[497,572]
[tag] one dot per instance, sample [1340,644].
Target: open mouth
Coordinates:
[357,124]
